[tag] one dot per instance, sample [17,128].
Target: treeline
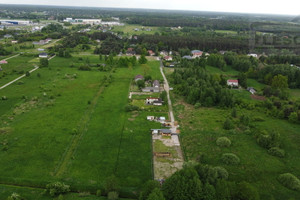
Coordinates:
[199,87]
[174,21]
[201,182]
[206,43]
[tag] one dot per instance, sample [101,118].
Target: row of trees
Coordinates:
[197,86]
[201,182]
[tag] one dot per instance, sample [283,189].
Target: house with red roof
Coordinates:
[168,58]
[196,53]
[151,53]
[233,83]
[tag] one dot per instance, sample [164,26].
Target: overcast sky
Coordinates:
[290,7]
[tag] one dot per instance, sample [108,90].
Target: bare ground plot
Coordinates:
[166,166]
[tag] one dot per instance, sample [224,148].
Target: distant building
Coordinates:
[138,77]
[187,57]
[150,89]
[163,53]
[43,55]
[151,53]
[168,58]
[83,21]
[251,90]
[233,83]
[154,101]
[14,22]
[7,36]
[253,55]
[156,84]
[196,53]
[14,41]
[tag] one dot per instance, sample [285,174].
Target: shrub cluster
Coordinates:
[230,159]
[290,181]
[223,142]
[57,188]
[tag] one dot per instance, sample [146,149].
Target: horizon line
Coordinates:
[104,7]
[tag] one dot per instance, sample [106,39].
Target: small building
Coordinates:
[155,131]
[168,58]
[150,118]
[156,84]
[161,119]
[43,55]
[165,132]
[7,36]
[3,62]
[130,53]
[14,41]
[138,77]
[188,57]
[151,53]
[163,53]
[150,89]
[196,53]
[151,100]
[158,102]
[233,83]
[251,90]
[39,49]
[253,55]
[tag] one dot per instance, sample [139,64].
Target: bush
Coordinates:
[230,159]
[98,193]
[111,184]
[223,142]
[4,98]
[113,196]
[290,181]
[85,68]
[14,196]
[228,124]
[57,188]
[221,172]
[276,151]
[197,105]
[129,108]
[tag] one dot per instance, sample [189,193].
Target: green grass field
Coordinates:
[229,32]
[38,119]
[16,67]
[130,29]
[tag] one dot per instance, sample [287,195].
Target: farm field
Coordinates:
[71,125]
[201,127]
[129,29]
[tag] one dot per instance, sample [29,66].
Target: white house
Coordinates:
[154,101]
[253,55]
[233,83]
[150,118]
